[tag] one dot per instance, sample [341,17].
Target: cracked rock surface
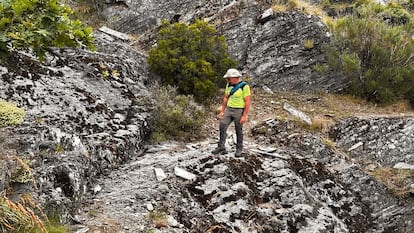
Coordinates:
[302,186]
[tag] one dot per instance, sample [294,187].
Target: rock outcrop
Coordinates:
[387,141]
[86,113]
[303,185]
[269,46]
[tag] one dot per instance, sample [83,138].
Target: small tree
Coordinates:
[374,48]
[191,57]
[39,25]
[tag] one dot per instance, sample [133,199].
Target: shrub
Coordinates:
[39,25]
[10,114]
[191,57]
[395,14]
[175,116]
[374,53]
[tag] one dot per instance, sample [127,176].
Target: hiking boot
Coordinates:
[238,153]
[219,150]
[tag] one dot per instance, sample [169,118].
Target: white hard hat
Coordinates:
[231,73]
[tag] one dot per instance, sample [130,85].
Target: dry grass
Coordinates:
[397,180]
[308,43]
[278,7]
[322,123]
[324,107]
[22,216]
[159,219]
[306,7]
[215,228]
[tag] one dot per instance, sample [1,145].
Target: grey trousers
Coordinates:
[230,115]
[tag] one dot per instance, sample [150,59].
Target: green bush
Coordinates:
[38,25]
[175,116]
[191,57]
[375,52]
[408,4]
[10,114]
[395,14]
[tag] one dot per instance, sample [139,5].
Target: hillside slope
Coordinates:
[292,177]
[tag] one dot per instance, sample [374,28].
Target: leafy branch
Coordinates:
[38,25]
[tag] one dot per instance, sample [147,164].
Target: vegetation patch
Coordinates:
[373,48]
[10,114]
[176,117]
[38,26]
[22,216]
[159,219]
[192,58]
[22,172]
[398,181]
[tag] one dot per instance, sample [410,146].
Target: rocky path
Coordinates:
[306,187]
[134,199]
[306,184]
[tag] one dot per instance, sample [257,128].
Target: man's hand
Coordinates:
[243,119]
[220,115]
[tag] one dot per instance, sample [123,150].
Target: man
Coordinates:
[234,107]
